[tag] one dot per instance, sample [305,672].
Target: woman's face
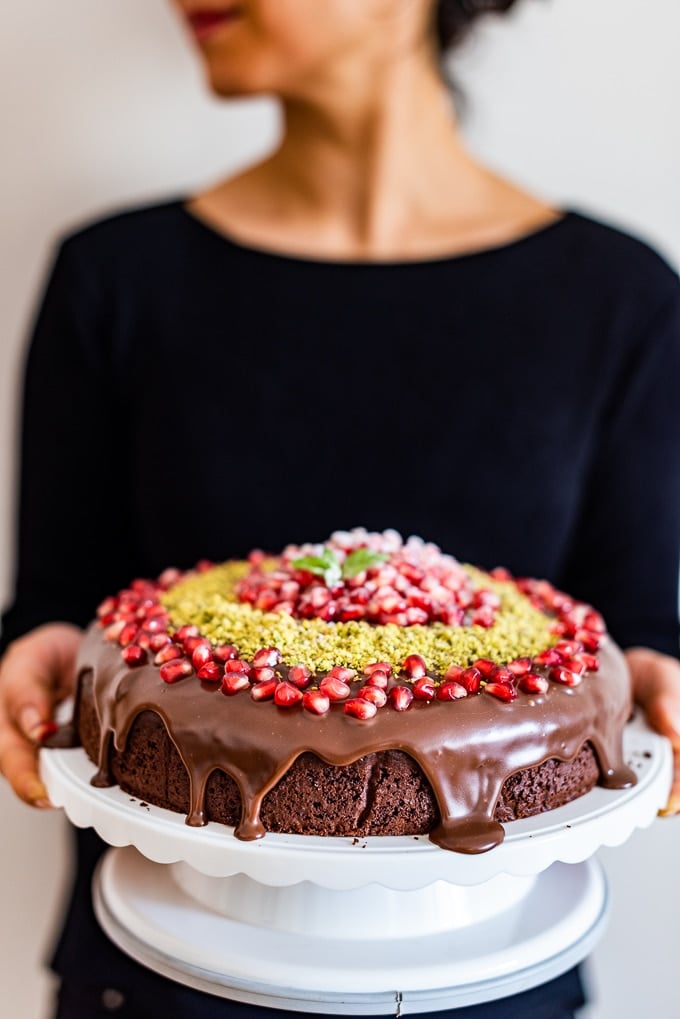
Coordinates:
[280,46]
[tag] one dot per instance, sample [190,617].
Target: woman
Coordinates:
[366,327]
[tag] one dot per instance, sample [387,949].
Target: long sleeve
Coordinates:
[74,538]
[625,550]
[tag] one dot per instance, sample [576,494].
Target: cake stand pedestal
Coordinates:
[370,926]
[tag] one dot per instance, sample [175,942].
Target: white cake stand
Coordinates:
[357,926]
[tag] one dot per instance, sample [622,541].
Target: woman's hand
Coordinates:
[656,685]
[36,672]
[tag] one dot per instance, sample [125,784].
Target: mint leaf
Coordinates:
[326,566]
[359,560]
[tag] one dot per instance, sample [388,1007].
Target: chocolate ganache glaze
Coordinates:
[466,749]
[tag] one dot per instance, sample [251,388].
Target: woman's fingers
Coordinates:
[656,685]
[36,672]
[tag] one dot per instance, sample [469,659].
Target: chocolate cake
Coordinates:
[367,686]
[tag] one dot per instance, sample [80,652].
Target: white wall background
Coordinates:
[102,105]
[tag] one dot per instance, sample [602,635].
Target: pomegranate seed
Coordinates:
[154,624]
[234,682]
[211,672]
[168,654]
[315,701]
[424,689]
[520,666]
[128,634]
[484,616]
[500,573]
[373,694]
[449,690]
[587,661]
[224,652]
[548,657]
[186,631]
[159,640]
[169,577]
[400,697]
[263,674]
[501,690]
[266,656]
[334,689]
[264,691]
[203,565]
[107,607]
[486,597]
[114,631]
[531,682]
[286,694]
[591,641]
[299,675]
[594,621]
[378,679]
[568,648]
[360,708]
[201,655]
[171,672]
[341,673]
[191,643]
[377,667]
[485,666]
[143,640]
[134,655]
[414,666]
[560,674]
[559,628]
[502,675]
[454,672]
[471,679]
[351,612]
[236,665]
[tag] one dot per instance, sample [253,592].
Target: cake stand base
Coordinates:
[546,926]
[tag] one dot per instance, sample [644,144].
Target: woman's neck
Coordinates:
[371,170]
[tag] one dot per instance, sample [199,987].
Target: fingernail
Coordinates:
[31,721]
[672,808]
[36,792]
[42,804]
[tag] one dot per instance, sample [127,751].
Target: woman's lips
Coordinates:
[204,23]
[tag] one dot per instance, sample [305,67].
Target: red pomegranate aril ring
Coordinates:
[270,656]
[502,675]
[548,657]
[501,691]
[568,648]
[285,695]
[485,666]
[159,641]
[128,634]
[424,689]
[342,673]
[454,672]
[373,694]
[211,672]
[334,689]
[186,631]
[414,666]
[225,652]
[238,666]
[113,632]
[191,643]
[299,675]
[134,655]
[316,702]
[520,666]
[590,662]
[172,672]
[201,655]
[591,640]
[361,709]
[168,654]
[106,607]
[531,682]
[263,674]
[400,698]
[234,682]
[450,690]
[471,680]
[264,691]
[377,667]
[378,679]
[563,675]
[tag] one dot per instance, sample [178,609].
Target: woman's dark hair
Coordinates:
[454,17]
